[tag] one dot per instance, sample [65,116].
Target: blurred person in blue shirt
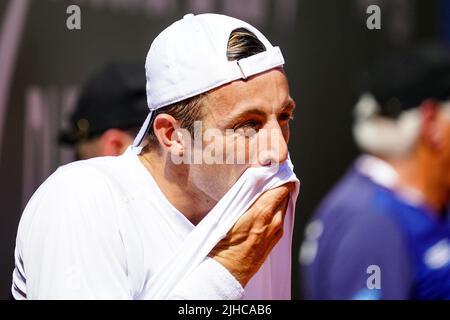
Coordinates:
[383,232]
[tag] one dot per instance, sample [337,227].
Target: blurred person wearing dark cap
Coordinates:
[383,232]
[109,111]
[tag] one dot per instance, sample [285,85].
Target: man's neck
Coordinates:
[173,181]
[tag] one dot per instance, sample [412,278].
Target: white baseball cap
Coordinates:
[190,57]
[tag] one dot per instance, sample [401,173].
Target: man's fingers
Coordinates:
[280,213]
[262,212]
[272,199]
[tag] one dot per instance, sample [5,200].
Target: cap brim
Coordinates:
[143,131]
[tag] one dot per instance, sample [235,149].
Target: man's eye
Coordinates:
[248,128]
[248,124]
[285,117]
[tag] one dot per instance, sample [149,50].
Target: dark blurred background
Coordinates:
[325,44]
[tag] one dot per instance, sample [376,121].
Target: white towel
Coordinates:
[273,280]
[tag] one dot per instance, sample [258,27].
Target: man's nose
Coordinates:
[273,146]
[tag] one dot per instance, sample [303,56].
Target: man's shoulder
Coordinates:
[354,204]
[100,169]
[99,164]
[94,171]
[85,179]
[73,194]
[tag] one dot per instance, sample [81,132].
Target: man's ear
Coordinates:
[166,129]
[429,131]
[113,142]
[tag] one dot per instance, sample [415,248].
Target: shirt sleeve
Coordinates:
[210,281]
[70,241]
[371,262]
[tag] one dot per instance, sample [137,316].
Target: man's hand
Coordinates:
[251,239]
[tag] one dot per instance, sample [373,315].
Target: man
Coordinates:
[111,227]
[108,112]
[383,231]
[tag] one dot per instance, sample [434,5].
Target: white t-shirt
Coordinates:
[99,229]
[102,228]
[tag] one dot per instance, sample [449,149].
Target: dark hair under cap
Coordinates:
[405,79]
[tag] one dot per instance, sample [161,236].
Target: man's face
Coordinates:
[252,118]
